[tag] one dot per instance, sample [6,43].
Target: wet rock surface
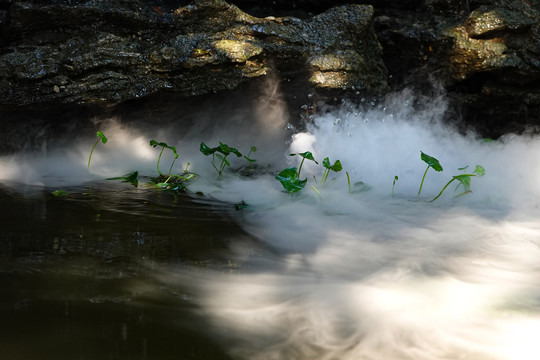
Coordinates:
[483,54]
[107,52]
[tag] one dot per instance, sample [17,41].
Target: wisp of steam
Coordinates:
[380,273]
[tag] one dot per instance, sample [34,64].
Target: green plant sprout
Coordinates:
[336,167]
[432,163]
[164,146]
[290,181]
[290,177]
[247,157]
[464,180]
[348,181]
[396,178]
[132,178]
[221,152]
[305,155]
[103,139]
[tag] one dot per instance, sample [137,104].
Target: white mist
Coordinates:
[371,276]
[355,276]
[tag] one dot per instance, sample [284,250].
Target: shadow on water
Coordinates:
[78,271]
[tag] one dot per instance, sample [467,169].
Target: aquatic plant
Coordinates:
[132,178]
[432,163]
[464,180]
[290,177]
[305,155]
[220,152]
[103,139]
[247,157]
[336,167]
[290,181]
[164,146]
[396,178]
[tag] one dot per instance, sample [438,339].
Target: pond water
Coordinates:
[108,270]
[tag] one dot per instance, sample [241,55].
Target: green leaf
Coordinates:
[173,149]
[207,150]
[396,177]
[464,179]
[153,143]
[253,149]
[132,178]
[289,180]
[226,150]
[241,205]
[60,193]
[308,155]
[463,168]
[479,170]
[336,167]
[431,161]
[102,137]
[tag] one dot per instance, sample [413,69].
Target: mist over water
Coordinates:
[365,275]
[371,276]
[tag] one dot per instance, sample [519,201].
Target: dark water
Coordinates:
[78,272]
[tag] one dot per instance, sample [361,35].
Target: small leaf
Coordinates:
[153,143]
[289,180]
[102,137]
[431,161]
[60,193]
[308,155]
[463,168]
[336,167]
[226,150]
[207,150]
[132,178]
[241,205]
[173,149]
[479,170]
[465,180]
[396,177]
[253,149]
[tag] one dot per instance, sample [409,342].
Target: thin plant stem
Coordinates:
[300,168]
[158,160]
[444,188]
[348,180]
[90,157]
[422,183]
[170,169]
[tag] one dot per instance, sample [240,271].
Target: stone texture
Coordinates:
[110,51]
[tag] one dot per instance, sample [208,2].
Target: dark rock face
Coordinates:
[81,52]
[484,53]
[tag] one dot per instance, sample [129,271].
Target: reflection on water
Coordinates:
[78,272]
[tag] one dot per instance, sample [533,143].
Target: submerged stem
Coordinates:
[348,180]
